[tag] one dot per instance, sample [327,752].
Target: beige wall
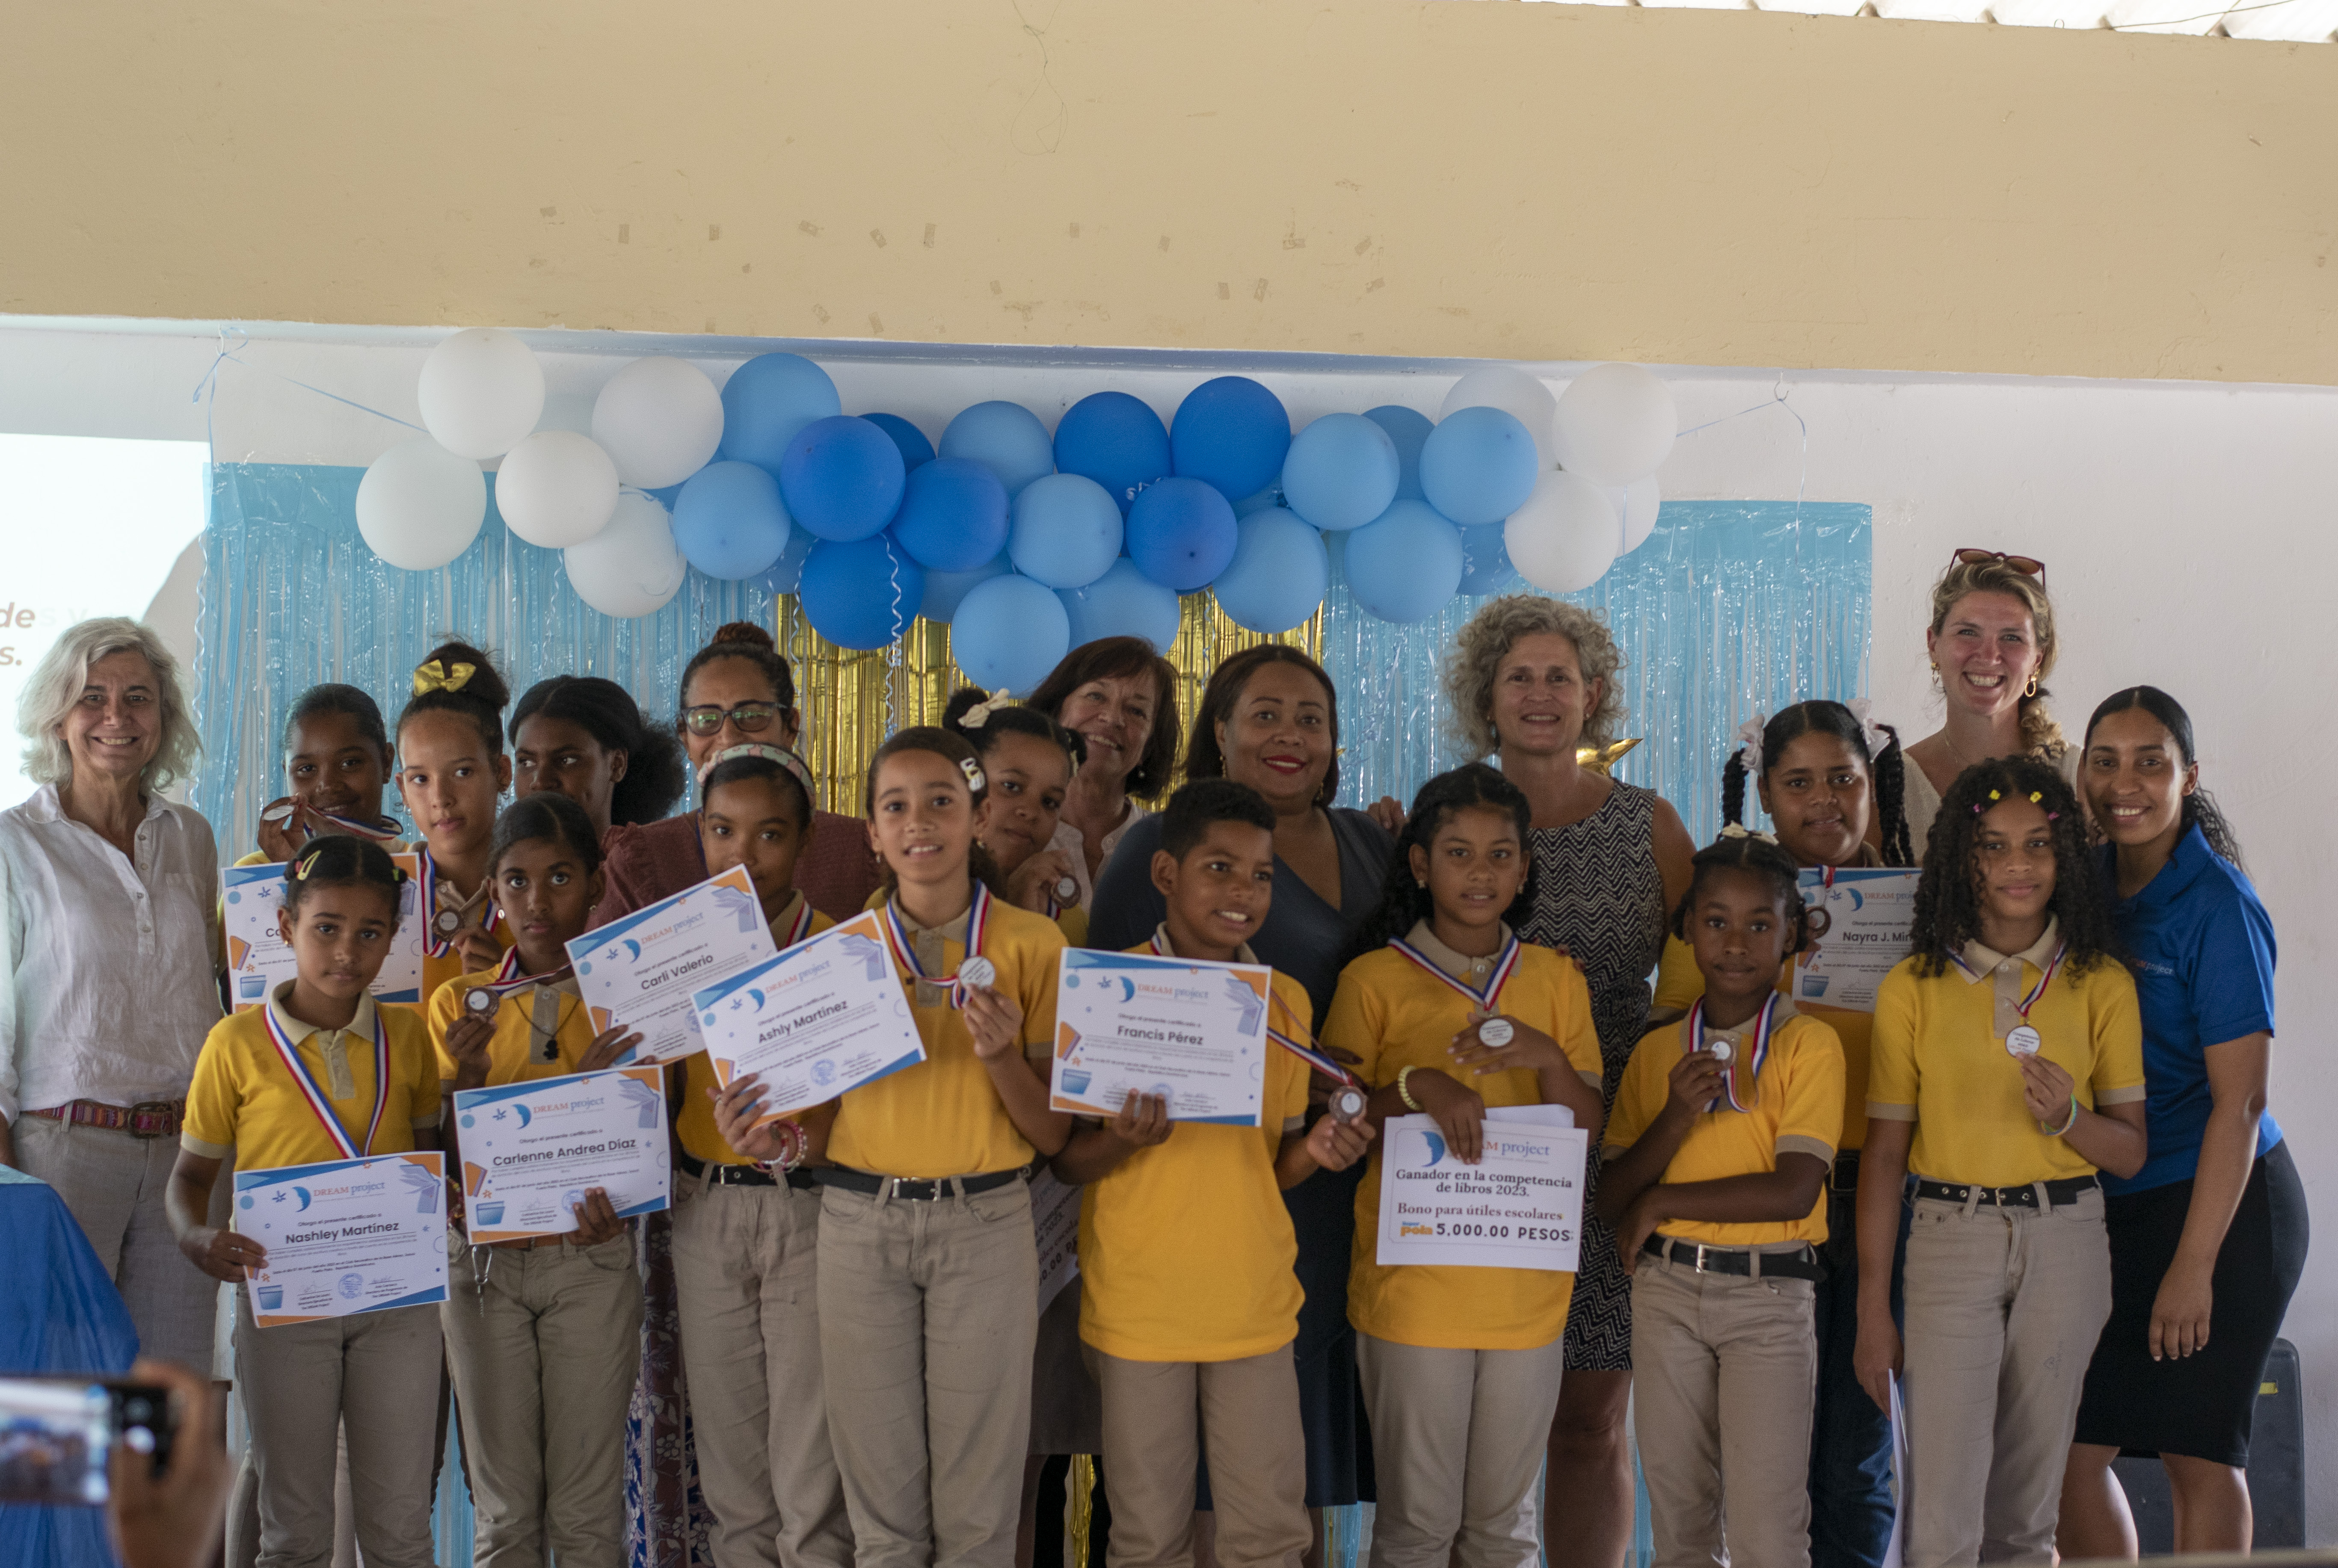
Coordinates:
[1361,176]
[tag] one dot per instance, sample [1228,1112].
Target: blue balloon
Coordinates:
[1123,603]
[1270,496]
[1066,531]
[1478,466]
[728,521]
[1278,574]
[1408,427]
[953,517]
[1407,564]
[1115,440]
[766,401]
[915,448]
[1180,533]
[861,592]
[945,590]
[1485,561]
[787,571]
[842,478]
[1342,472]
[1010,633]
[1005,438]
[1230,433]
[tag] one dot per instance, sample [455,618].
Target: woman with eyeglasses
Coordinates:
[1992,644]
[736,691]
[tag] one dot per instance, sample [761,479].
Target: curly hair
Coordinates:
[1763,856]
[2040,735]
[2200,809]
[1948,894]
[1478,651]
[56,685]
[1405,902]
[1887,768]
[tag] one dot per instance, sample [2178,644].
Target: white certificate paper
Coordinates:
[259,959]
[826,1016]
[531,1150]
[1190,1031]
[345,1236]
[1858,929]
[640,971]
[1055,1227]
[1520,1206]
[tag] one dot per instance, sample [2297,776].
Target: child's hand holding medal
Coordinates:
[467,1039]
[993,1017]
[1697,1080]
[1497,1042]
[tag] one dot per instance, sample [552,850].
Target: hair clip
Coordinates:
[786,759]
[973,771]
[979,714]
[307,864]
[437,677]
[2038,799]
[1878,736]
[1739,830]
[1995,796]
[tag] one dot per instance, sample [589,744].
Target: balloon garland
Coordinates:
[1026,545]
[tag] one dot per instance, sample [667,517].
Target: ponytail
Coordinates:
[1888,768]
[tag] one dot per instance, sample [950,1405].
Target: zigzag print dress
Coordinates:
[1596,892]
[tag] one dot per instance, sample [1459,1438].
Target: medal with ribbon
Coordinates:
[2022,1040]
[973,970]
[1754,1058]
[797,928]
[379,830]
[315,1096]
[481,1000]
[1348,1099]
[439,939]
[1485,1000]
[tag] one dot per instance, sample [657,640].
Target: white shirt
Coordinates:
[109,979]
[1074,848]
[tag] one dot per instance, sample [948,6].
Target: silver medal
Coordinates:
[1347,1103]
[280,812]
[1497,1031]
[481,1002]
[1066,889]
[1722,1051]
[2022,1041]
[976,971]
[446,922]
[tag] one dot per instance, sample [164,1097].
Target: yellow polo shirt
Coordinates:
[1680,986]
[244,1103]
[694,1123]
[1186,1250]
[523,1048]
[1393,1016]
[1939,1061]
[942,1117]
[1797,1110]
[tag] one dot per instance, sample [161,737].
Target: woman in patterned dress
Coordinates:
[1531,679]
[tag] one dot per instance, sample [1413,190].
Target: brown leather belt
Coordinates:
[147,1119]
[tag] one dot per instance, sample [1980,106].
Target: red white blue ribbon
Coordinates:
[800,927]
[1754,1058]
[379,830]
[1304,1050]
[434,942]
[905,950]
[2045,978]
[507,979]
[318,1101]
[1485,999]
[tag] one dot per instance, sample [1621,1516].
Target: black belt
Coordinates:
[1846,1172]
[721,1175]
[911,1189]
[2068,1189]
[1712,1260]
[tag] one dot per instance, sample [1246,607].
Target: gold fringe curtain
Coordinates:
[852,700]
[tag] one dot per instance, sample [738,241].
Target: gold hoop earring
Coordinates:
[2031,690]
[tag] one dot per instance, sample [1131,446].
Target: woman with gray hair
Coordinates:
[1531,680]
[108,956]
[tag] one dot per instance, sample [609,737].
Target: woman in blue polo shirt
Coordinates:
[2208,1239]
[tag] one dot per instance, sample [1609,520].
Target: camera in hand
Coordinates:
[56,1434]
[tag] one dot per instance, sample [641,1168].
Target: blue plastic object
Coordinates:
[842,478]
[1180,533]
[730,520]
[1478,466]
[861,592]
[1066,531]
[766,401]
[1407,564]
[1342,472]
[1409,428]
[1230,433]
[953,515]
[1279,573]
[916,449]
[1005,437]
[1009,632]
[1114,439]
[1123,603]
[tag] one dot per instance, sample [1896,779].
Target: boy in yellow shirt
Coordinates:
[1190,1308]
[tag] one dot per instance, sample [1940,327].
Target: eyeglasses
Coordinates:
[2027,566]
[748,718]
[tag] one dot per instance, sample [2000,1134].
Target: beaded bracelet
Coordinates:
[794,1144]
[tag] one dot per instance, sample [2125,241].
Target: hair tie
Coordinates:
[973,771]
[1737,830]
[788,759]
[1749,740]
[1878,736]
[437,677]
[979,714]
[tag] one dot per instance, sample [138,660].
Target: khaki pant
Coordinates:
[1458,1438]
[544,1345]
[2004,1307]
[297,1381]
[1725,1370]
[746,1274]
[1158,1418]
[113,1185]
[927,1315]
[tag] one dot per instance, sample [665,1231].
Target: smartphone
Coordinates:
[56,1434]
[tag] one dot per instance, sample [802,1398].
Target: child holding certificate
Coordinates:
[1446,1014]
[321,1073]
[2008,1071]
[1714,1179]
[452,769]
[543,1334]
[1029,760]
[1189,1304]
[928,1280]
[336,762]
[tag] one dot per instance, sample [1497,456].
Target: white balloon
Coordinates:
[1637,505]
[1564,539]
[1616,424]
[632,567]
[1522,397]
[481,391]
[556,488]
[421,506]
[660,420]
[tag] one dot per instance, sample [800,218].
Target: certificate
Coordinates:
[1859,930]
[822,1017]
[640,971]
[1055,1227]
[531,1150]
[345,1236]
[259,959]
[1190,1031]
[1519,1207]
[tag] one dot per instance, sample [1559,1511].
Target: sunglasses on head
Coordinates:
[2027,566]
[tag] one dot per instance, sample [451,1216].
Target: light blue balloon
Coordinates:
[1011,631]
[1408,427]
[1485,561]
[787,571]
[1478,466]
[1407,564]
[1278,574]
[1123,603]
[728,521]
[945,590]
[861,592]
[1066,530]
[767,401]
[1342,472]
[1181,532]
[1005,438]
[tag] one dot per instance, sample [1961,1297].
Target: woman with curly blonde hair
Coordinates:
[1531,680]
